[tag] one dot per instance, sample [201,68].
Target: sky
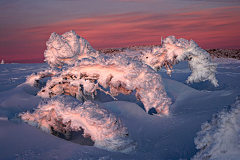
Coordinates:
[25,25]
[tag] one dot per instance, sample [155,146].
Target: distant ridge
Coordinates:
[218,53]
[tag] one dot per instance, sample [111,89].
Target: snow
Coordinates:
[175,50]
[64,114]
[119,72]
[66,49]
[220,136]
[149,136]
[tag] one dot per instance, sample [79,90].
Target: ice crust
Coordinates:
[175,50]
[63,114]
[221,137]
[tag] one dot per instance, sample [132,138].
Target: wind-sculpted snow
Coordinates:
[120,73]
[60,115]
[175,50]
[67,49]
[221,136]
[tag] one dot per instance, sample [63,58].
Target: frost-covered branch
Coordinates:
[63,115]
[34,79]
[220,136]
[120,73]
[175,50]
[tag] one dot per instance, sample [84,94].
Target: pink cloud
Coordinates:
[210,28]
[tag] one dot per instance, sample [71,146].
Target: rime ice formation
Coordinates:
[87,69]
[67,49]
[34,79]
[220,136]
[63,115]
[174,50]
[119,72]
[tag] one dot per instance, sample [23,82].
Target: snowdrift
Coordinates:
[62,114]
[219,139]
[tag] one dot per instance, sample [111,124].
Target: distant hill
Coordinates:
[219,53]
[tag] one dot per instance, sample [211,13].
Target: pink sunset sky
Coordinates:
[25,25]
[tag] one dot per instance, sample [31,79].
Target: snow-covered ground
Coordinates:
[149,136]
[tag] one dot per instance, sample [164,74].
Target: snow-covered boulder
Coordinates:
[175,50]
[220,138]
[120,73]
[64,114]
[67,49]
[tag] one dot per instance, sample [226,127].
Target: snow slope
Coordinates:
[157,137]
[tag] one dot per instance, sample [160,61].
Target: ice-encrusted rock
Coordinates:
[175,50]
[120,73]
[67,49]
[221,137]
[63,114]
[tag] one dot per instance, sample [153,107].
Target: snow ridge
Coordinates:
[62,114]
[220,138]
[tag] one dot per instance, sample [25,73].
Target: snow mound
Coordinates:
[119,72]
[175,50]
[67,49]
[220,137]
[62,114]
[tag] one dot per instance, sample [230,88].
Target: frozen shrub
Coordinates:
[220,136]
[175,50]
[67,49]
[120,73]
[64,114]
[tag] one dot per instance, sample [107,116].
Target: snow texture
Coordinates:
[221,136]
[67,49]
[119,72]
[175,50]
[62,114]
